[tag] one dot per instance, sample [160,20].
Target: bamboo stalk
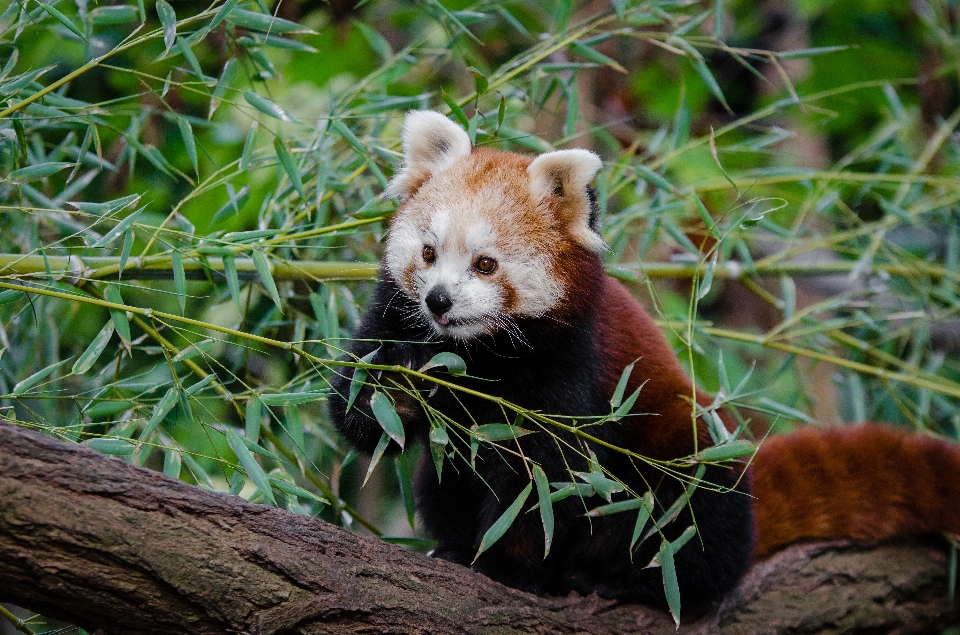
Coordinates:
[159,267]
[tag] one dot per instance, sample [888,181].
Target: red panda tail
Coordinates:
[866,482]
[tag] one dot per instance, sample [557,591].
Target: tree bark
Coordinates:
[119,549]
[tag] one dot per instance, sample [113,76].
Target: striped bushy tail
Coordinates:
[866,482]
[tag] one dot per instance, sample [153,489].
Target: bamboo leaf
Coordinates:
[502,524]
[119,14]
[186,132]
[643,517]
[377,455]
[266,277]
[40,170]
[253,417]
[34,379]
[250,465]
[453,363]
[233,280]
[289,166]
[387,417]
[292,398]
[90,356]
[727,451]
[118,229]
[402,468]
[119,317]
[267,107]
[359,378]
[617,398]
[264,22]
[671,585]
[494,432]
[179,279]
[168,22]
[546,507]
[160,410]
[115,447]
[191,58]
[64,20]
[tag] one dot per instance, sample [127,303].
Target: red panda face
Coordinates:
[480,237]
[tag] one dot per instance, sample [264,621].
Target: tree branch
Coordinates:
[119,549]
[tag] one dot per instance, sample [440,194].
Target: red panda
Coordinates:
[495,256]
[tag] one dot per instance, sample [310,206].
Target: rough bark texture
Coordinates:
[119,549]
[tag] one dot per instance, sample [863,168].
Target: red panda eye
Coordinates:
[486,265]
[429,253]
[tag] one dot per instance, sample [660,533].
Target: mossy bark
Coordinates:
[119,549]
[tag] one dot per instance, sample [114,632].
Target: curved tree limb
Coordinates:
[119,549]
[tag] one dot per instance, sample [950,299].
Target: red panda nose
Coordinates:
[438,301]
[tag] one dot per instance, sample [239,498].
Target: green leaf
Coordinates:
[479,79]
[62,19]
[250,465]
[643,517]
[116,447]
[200,385]
[168,21]
[191,58]
[90,356]
[229,73]
[195,349]
[171,463]
[34,379]
[160,410]
[596,56]
[233,280]
[179,279]
[546,507]
[653,178]
[236,201]
[502,524]
[402,466]
[615,508]
[377,42]
[296,490]
[457,111]
[727,451]
[119,228]
[266,277]
[289,166]
[125,249]
[617,398]
[706,282]
[222,14]
[359,378]
[453,363]
[292,398]
[119,14]
[9,296]
[264,22]
[387,416]
[267,107]
[39,170]
[671,585]
[119,316]
[253,417]
[186,132]
[500,432]
[377,455]
[780,409]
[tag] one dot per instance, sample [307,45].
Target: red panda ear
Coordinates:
[431,142]
[562,178]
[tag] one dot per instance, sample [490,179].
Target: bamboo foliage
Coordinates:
[191,211]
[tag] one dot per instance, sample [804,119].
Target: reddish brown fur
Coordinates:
[867,482]
[625,332]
